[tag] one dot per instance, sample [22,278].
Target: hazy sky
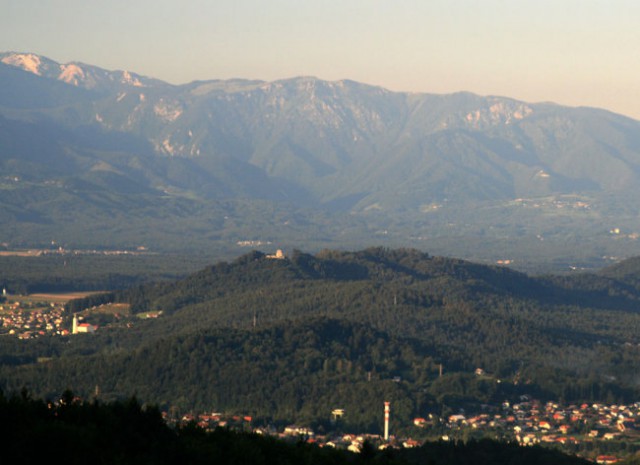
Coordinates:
[573,52]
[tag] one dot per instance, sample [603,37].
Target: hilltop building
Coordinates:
[279,255]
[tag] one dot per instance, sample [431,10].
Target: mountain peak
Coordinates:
[75,73]
[27,61]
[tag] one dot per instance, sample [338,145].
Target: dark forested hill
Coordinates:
[291,339]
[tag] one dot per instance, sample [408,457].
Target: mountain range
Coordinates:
[98,158]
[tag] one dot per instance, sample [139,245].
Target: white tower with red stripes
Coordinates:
[387,409]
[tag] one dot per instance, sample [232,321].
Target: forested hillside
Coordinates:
[291,339]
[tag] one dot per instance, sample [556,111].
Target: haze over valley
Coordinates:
[94,158]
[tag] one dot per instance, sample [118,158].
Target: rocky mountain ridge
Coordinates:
[401,162]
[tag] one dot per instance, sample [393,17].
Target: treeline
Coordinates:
[93,300]
[127,432]
[95,272]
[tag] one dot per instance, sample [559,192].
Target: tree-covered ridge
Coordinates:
[382,266]
[626,271]
[376,265]
[403,291]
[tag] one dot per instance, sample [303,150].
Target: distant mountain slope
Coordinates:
[321,133]
[399,165]
[26,91]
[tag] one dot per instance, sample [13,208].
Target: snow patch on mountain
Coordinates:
[167,147]
[128,78]
[71,74]
[170,148]
[167,111]
[498,112]
[26,61]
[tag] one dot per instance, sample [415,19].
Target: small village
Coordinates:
[601,433]
[30,317]
[581,429]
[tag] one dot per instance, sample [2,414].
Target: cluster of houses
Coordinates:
[31,323]
[352,442]
[28,321]
[532,422]
[529,422]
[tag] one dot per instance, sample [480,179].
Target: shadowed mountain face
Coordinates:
[407,166]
